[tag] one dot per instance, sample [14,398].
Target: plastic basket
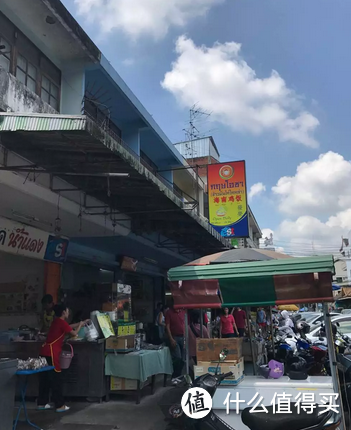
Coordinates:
[66,357]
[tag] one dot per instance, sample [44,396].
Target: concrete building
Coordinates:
[80,157]
[199,153]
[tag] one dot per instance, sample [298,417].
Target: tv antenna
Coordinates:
[192,132]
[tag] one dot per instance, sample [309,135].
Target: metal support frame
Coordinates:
[333,363]
[186,340]
[29,169]
[271,318]
[201,323]
[251,340]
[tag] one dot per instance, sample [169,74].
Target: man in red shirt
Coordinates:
[175,325]
[228,327]
[51,350]
[240,320]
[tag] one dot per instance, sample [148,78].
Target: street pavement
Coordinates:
[120,413]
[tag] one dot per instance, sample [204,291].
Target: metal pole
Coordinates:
[251,340]
[201,323]
[271,317]
[186,343]
[197,190]
[333,363]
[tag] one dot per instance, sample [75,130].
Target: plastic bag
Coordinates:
[90,332]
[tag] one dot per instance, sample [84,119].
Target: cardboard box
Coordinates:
[209,349]
[120,343]
[237,367]
[123,384]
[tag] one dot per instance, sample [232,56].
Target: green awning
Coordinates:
[266,283]
[289,266]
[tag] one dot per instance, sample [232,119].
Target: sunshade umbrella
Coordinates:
[238,255]
[289,308]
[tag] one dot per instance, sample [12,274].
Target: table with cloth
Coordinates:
[140,365]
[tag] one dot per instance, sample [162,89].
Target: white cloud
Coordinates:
[223,83]
[256,190]
[309,235]
[319,188]
[142,17]
[128,62]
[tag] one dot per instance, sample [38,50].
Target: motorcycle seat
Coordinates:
[286,421]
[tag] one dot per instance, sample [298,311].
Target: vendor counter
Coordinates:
[84,378]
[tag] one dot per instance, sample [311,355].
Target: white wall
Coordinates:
[16,97]
[14,268]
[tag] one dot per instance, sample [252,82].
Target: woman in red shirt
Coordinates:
[51,350]
[227,325]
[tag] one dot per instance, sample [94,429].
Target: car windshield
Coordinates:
[311,317]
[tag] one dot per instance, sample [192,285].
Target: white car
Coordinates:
[314,318]
[344,327]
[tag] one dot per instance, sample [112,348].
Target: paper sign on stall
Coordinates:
[105,325]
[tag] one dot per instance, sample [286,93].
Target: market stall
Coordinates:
[267,283]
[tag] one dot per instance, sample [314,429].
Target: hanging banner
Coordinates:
[20,239]
[227,198]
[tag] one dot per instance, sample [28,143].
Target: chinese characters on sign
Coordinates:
[283,403]
[227,198]
[196,403]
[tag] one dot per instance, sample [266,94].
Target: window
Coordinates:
[26,73]
[50,92]
[345,327]
[5,54]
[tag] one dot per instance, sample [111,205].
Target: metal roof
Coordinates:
[76,144]
[287,266]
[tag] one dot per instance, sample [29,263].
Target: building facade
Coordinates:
[81,158]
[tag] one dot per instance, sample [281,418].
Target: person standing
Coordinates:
[195,332]
[228,327]
[48,312]
[51,350]
[161,322]
[175,326]
[261,319]
[240,320]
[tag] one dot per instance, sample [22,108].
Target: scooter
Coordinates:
[172,409]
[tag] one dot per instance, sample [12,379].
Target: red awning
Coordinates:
[196,294]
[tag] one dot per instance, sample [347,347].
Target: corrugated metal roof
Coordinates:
[41,122]
[287,266]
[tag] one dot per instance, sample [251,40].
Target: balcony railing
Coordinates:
[172,187]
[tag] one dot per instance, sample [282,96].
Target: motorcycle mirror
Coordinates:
[188,379]
[223,354]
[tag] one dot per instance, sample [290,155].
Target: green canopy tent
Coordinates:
[261,283]
[265,283]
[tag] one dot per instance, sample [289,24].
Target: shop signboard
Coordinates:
[20,239]
[227,198]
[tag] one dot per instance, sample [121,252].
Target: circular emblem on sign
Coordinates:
[226,172]
[196,403]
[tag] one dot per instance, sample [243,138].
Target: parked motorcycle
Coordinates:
[173,412]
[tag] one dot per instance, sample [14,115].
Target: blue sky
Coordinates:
[305,42]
